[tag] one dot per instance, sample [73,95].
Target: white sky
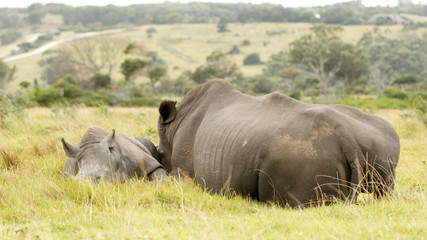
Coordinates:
[286,3]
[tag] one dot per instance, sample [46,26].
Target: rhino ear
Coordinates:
[69,149]
[109,138]
[167,110]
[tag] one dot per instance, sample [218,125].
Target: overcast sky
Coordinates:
[286,3]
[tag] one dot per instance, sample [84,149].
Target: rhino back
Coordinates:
[274,146]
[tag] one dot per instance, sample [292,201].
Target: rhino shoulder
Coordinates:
[150,146]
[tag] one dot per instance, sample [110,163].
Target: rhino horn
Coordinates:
[69,149]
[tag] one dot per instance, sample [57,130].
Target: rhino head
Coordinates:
[116,157]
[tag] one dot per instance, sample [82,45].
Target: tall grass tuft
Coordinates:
[8,159]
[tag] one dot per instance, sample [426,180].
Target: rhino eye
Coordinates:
[111,149]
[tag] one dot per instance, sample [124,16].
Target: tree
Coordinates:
[403,56]
[131,67]
[340,14]
[382,77]
[135,48]
[218,65]
[55,64]
[156,73]
[6,74]
[34,18]
[276,63]
[330,59]
[10,36]
[222,24]
[96,55]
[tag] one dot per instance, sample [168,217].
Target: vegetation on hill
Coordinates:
[316,64]
[91,17]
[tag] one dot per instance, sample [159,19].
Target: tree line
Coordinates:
[92,17]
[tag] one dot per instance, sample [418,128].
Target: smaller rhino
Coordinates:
[115,156]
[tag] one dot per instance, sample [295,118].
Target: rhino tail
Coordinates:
[357,163]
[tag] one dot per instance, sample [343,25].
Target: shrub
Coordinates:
[24,84]
[25,47]
[13,104]
[393,92]
[263,85]
[252,59]
[406,79]
[100,97]
[46,97]
[69,88]
[151,30]
[100,81]
[10,37]
[234,50]
[246,42]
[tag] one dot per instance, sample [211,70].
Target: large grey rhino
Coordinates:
[275,148]
[112,155]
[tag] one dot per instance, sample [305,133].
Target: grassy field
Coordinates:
[36,202]
[186,46]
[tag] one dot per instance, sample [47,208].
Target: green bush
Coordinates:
[100,81]
[69,88]
[406,79]
[416,94]
[46,97]
[252,59]
[263,85]
[394,92]
[100,97]
[13,104]
[378,103]
[234,50]
[246,42]
[24,84]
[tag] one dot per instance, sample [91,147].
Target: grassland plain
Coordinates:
[186,46]
[36,202]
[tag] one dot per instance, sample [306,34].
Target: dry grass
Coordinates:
[8,159]
[37,202]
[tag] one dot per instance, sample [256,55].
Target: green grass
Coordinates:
[36,202]
[197,41]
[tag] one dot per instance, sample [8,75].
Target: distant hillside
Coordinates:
[91,18]
[184,47]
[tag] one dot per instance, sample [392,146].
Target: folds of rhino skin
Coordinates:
[275,148]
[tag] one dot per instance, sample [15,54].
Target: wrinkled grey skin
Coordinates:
[275,148]
[103,155]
